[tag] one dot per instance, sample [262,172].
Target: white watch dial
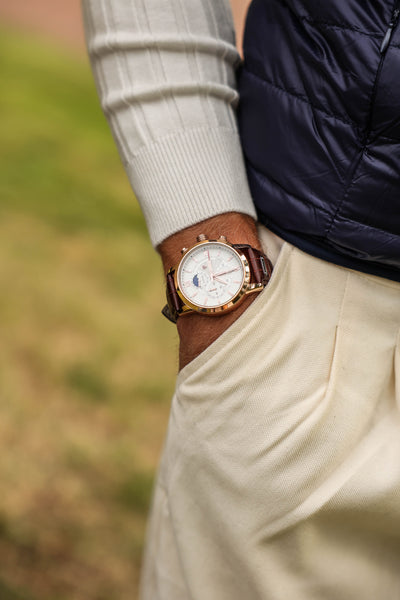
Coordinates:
[210,275]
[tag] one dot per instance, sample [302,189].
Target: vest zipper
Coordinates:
[393,22]
[394,19]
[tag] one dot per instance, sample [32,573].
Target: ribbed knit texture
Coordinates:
[165,74]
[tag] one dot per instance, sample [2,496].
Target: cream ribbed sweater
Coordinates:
[165,74]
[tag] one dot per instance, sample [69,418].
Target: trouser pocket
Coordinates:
[269,434]
[244,410]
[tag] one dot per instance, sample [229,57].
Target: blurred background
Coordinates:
[87,362]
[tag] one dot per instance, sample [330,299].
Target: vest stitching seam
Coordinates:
[385,138]
[372,100]
[365,141]
[386,232]
[346,192]
[304,99]
[315,206]
[333,25]
[278,184]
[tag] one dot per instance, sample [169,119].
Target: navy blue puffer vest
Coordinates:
[319,121]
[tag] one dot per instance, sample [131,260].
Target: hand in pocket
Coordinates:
[197,331]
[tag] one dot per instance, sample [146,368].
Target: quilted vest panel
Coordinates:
[319,119]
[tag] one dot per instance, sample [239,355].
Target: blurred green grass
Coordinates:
[86,361]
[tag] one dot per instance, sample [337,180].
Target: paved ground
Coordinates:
[61,19]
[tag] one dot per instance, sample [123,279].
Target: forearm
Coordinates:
[165,75]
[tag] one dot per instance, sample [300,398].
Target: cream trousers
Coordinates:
[280,477]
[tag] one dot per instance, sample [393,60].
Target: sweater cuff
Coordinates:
[188,177]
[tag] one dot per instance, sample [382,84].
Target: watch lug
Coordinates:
[254,287]
[186,309]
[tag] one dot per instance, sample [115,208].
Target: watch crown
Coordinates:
[201,237]
[184,250]
[222,238]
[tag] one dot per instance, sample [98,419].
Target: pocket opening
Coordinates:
[237,325]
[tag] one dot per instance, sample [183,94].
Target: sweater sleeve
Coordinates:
[165,74]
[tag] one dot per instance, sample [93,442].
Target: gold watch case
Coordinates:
[246,287]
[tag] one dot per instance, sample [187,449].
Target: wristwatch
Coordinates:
[214,276]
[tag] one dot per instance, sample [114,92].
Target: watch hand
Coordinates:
[226,272]
[220,280]
[210,265]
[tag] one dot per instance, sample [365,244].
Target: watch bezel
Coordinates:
[215,310]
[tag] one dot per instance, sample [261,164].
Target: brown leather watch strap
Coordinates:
[174,304]
[261,266]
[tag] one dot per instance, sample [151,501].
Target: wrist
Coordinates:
[237,227]
[214,275]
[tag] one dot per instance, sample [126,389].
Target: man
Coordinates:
[280,476]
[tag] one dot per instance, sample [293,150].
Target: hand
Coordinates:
[197,331]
